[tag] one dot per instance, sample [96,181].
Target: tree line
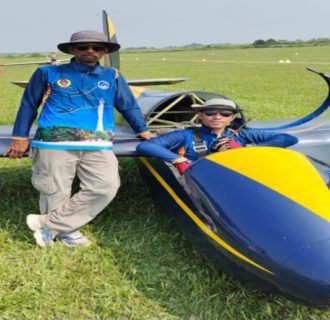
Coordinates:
[260,43]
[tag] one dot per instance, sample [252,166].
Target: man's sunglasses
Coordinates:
[95,47]
[224,113]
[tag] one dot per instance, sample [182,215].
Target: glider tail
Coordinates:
[111,59]
[313,115]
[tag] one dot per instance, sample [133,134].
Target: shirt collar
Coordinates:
[85,67]
[208,130]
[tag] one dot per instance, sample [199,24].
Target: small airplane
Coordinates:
[134,82]
[277,233]
[52,60]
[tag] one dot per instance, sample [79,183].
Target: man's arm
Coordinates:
[27,113]
[162,146]
[268,138]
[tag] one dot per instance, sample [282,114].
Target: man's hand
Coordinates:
[17,148]
[225,144]
[221,144]
[146,135]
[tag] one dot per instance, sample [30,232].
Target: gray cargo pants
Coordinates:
[53,172]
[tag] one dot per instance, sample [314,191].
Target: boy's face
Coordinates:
[216,118]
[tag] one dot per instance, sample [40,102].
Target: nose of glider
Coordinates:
[312,265]
[270,209]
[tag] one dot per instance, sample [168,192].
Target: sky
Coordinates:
[39,25]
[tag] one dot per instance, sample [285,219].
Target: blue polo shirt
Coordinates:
[78,107]
[167,146]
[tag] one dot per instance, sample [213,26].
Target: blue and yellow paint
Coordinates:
[267,205]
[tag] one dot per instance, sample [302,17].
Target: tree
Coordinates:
[270,42]
[259,43]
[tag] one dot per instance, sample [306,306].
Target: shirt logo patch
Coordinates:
[104,85]
[63,83]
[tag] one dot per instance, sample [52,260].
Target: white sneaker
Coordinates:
[74,239]
[42,235]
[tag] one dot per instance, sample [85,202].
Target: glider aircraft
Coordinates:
[277,235]
[51,60]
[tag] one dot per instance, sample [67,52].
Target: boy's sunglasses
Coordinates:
[224,113]
[95,47]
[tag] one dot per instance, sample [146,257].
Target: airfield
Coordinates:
[140,265]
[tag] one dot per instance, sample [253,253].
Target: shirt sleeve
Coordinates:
[31,100]
[267,138]
[161,147]
[127,105]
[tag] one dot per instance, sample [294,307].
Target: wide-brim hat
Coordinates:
[217,103]
[88,36]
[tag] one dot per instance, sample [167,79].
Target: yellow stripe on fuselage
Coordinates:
[285,171]
[196,220]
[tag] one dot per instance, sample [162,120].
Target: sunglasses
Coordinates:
[95,47]
[224,113]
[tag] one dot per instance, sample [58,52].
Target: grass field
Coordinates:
[140,266]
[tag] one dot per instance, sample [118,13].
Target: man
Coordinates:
[53,60]
[181,147]
[74,137]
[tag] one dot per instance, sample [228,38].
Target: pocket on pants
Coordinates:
[43,181]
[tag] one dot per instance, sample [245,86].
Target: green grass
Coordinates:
[251,77]
[140,266]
